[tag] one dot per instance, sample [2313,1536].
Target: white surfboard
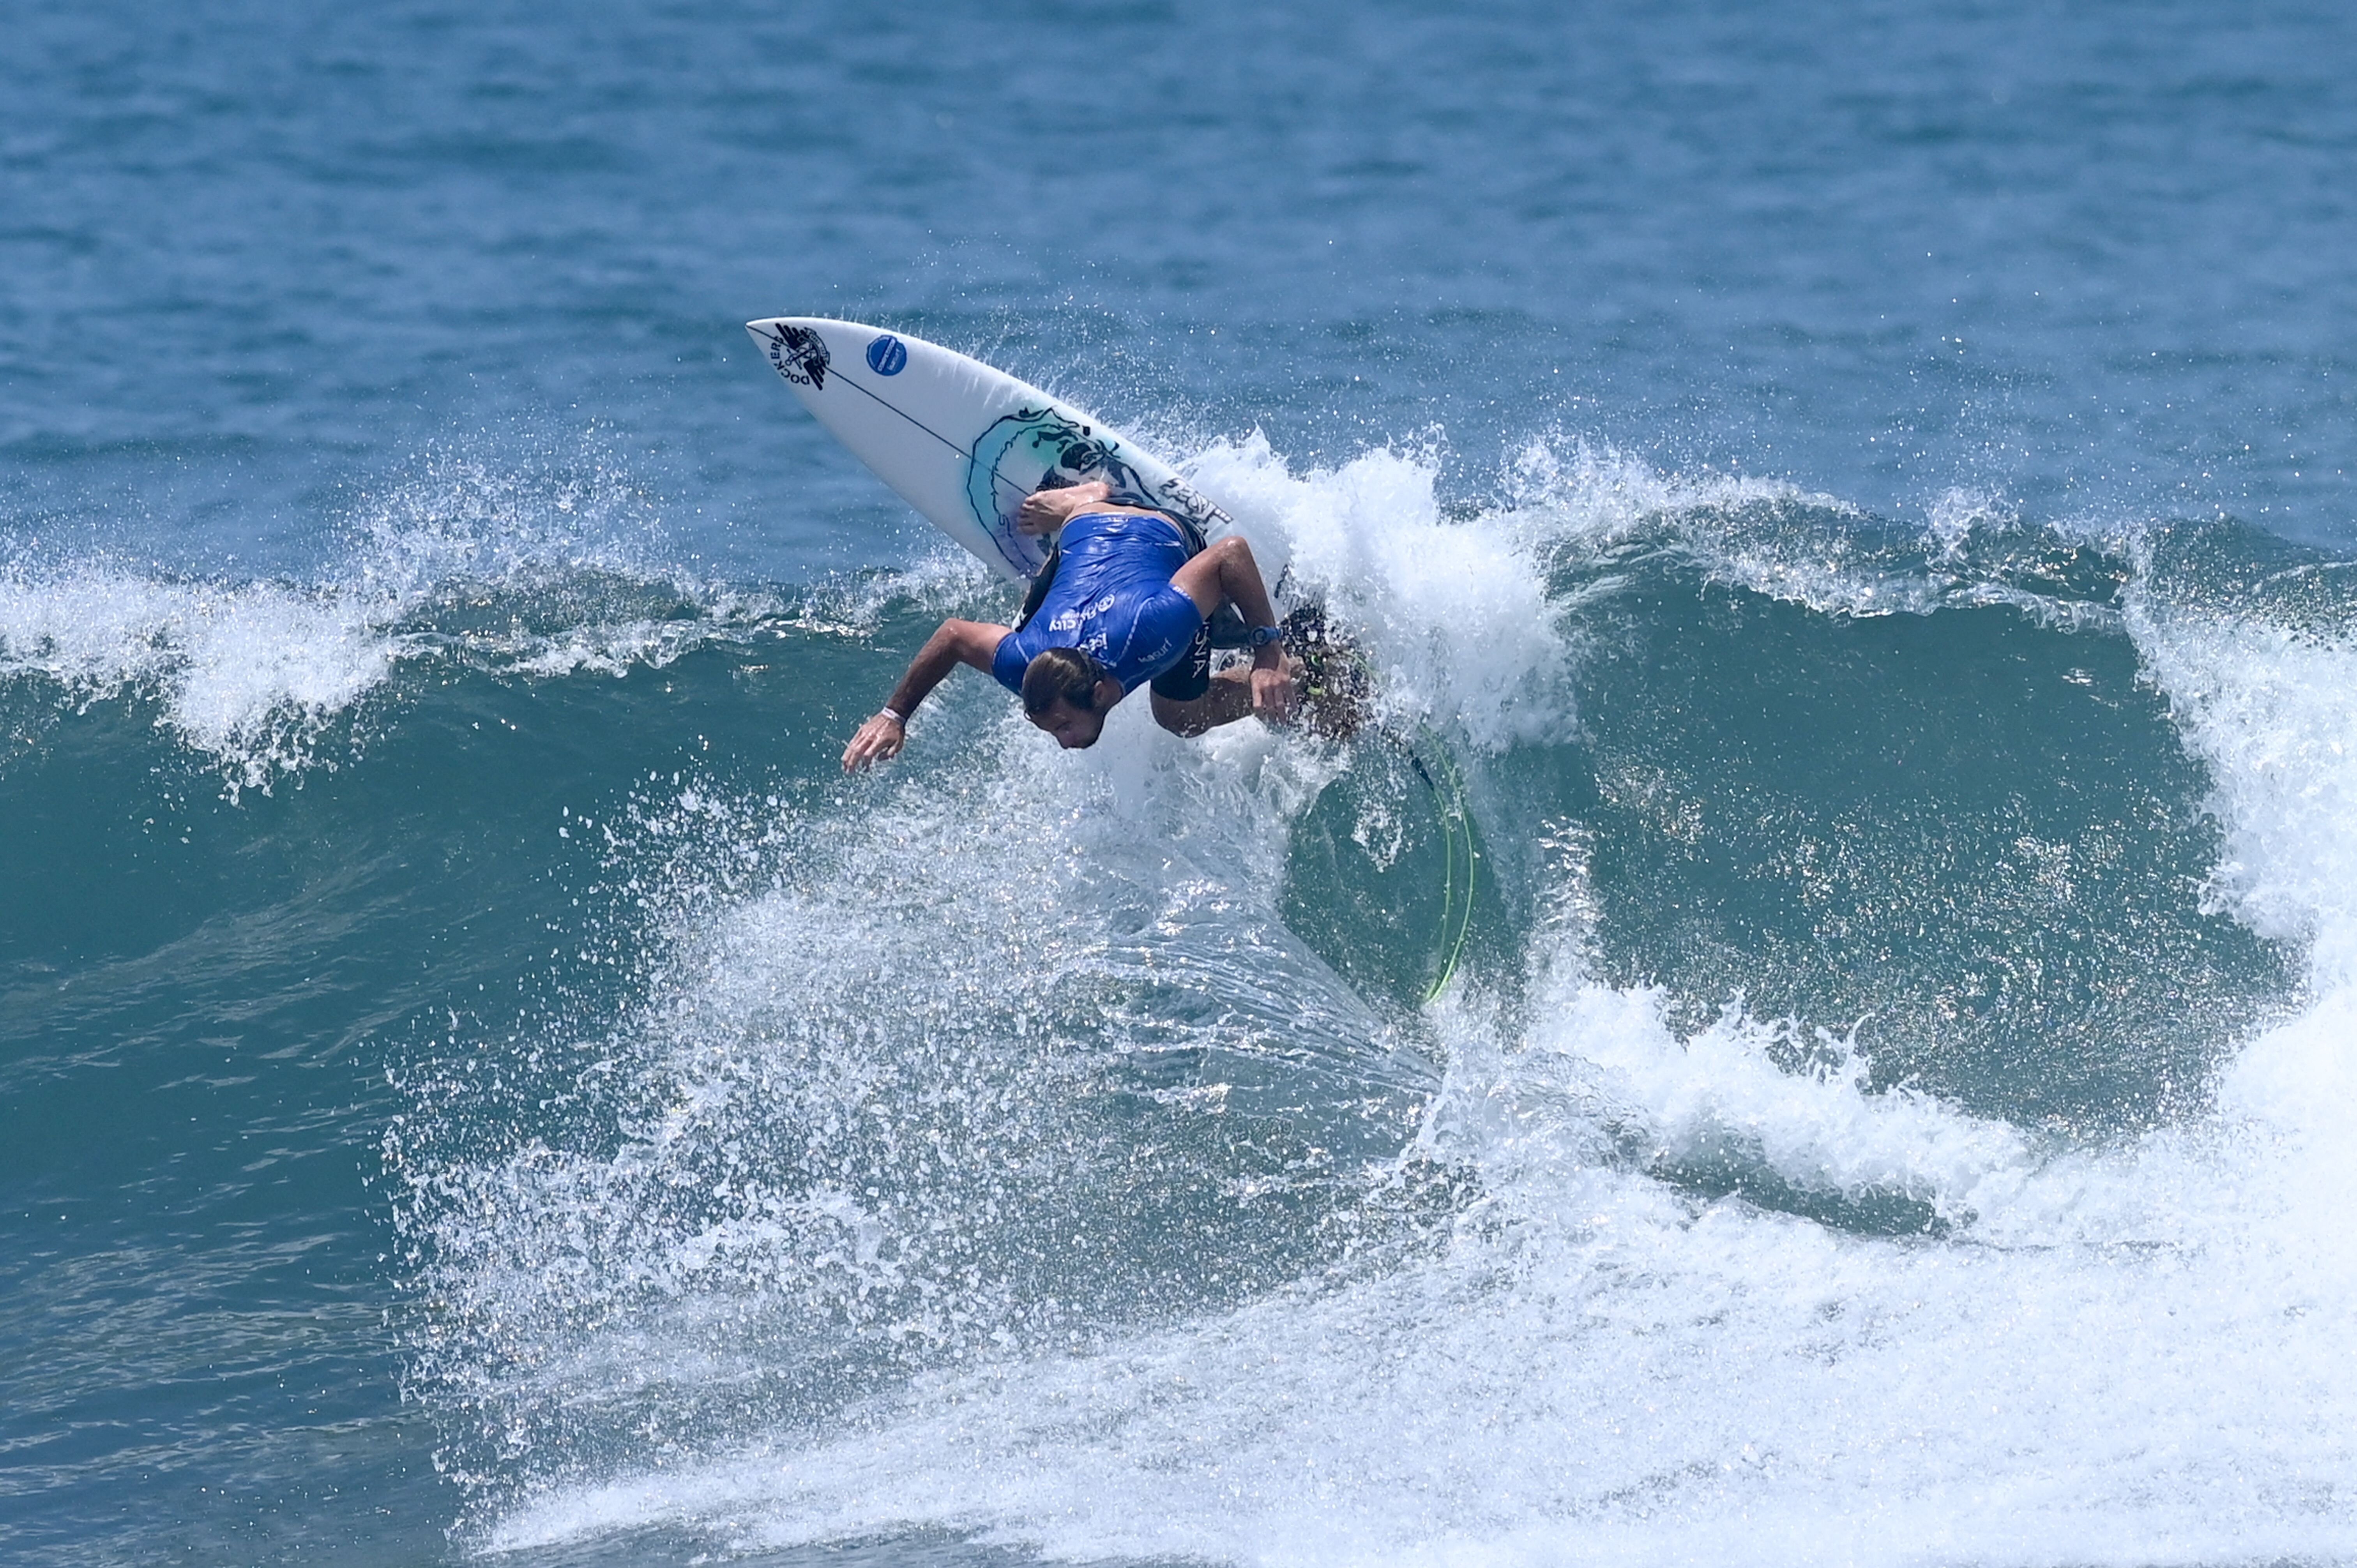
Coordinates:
[961,442]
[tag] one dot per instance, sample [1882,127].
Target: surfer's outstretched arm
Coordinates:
[957,642]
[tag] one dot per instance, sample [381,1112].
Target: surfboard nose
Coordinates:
[795,350]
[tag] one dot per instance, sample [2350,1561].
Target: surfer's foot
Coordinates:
[1333,686]
[1331,674]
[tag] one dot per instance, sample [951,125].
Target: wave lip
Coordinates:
[248,674]
[514,572]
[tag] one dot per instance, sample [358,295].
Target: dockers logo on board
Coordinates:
[799,353]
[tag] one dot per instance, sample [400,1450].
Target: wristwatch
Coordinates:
[1261,636]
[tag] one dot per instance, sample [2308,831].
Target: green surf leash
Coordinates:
[1460,857]
[1335,671]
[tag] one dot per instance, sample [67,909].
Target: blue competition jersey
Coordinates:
[1113,600]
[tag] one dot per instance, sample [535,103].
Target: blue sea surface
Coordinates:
[1853,498]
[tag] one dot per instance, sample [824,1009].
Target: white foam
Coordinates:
[853,1093]
[1453,614]
[2272,712]
[1722,1093]
[1958,514]
[1774,537]
[247,673]
[1598,1370]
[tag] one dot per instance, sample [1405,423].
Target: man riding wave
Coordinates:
[1130,605]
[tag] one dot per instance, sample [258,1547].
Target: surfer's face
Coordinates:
[1074,728]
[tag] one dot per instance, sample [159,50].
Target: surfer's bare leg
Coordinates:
[1222,573]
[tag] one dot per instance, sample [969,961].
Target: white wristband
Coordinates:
[895,714]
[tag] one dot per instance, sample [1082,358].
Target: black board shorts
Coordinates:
[1191,676]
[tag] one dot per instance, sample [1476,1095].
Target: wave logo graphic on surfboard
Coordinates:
[1037,448]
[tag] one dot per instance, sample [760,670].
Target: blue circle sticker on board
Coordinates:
[888,355]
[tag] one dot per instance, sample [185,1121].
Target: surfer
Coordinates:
[1129,606]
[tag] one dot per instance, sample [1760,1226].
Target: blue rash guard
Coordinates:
[1112,599]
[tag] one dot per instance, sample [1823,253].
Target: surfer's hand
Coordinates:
[879,740]
[1273,690]
[1044,511]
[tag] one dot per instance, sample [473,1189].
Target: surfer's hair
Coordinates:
[1061,675]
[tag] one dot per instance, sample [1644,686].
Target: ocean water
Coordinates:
[1854,497]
